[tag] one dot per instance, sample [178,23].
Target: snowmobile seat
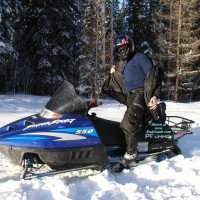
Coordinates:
[161,109]
[161,115]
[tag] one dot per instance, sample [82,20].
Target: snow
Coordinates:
[2,44]
[177,178]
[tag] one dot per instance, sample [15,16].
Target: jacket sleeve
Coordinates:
[158,86]
[114,85]
[152,87]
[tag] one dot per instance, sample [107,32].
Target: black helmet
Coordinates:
[124,45]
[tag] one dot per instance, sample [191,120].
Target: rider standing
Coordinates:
[137,66]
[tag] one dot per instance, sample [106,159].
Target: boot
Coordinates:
[128,158]
[124,163]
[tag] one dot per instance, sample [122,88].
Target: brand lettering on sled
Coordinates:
[57,121]
[157,136]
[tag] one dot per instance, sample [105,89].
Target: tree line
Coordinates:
[45,42]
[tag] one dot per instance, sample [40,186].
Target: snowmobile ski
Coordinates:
[28,174]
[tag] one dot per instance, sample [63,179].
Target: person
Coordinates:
[137,66]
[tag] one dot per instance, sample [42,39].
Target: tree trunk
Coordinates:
[111,35]
[103,34]
[178,53]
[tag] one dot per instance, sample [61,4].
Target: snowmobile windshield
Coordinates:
[66,101]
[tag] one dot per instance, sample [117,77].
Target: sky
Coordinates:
[173,179]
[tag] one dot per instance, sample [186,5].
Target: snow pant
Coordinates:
[133,120]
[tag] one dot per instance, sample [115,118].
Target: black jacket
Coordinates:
[114,85]
[152,86]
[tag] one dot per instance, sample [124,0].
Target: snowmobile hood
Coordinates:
[39,132]
[63,122]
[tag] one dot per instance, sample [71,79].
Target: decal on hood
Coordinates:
[57,136]
[49,123]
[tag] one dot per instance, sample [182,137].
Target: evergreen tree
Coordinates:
[120,27]
[189,50]
[177,36]
[47,42]
[138,17]
[44,42]
[8,13]
[95,57]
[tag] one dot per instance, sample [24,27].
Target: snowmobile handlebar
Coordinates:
[93,103]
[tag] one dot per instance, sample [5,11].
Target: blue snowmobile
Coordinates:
[66,138]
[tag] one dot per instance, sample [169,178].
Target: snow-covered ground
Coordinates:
[177,178]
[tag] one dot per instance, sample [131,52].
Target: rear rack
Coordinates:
[179,125]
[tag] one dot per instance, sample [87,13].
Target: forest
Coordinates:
[45,42]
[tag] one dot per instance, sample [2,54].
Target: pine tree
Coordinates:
[120,26]
[96,48]
[88,57]
[138,17]
[189,51]
[47,42]
[8,14]
[177,32]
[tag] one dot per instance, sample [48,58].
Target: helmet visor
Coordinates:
[122,49]
[123,52]
[121,41]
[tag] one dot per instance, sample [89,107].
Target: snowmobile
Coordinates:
[65,137]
